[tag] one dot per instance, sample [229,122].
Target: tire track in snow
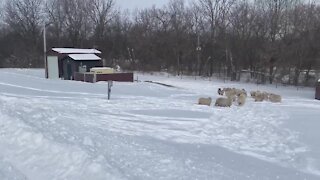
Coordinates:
[50,91]
[120,152]
[91,119]
[39,156]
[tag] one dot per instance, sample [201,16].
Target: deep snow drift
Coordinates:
[54,129]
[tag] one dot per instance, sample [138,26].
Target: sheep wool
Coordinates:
[223,102]
[259,97]
[241,99]
[205,101]
[275,98]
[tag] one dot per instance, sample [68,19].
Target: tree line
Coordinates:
[268,40]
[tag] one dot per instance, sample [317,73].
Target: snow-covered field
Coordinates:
[54,129]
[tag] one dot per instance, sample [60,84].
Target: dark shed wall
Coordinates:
[75,66]
[318,91]
[120,77]
[65,63]
[89,64]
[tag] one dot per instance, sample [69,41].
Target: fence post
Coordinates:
[94,78]
[110,84]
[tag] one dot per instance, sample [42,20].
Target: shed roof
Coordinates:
[76,51]
[84,57]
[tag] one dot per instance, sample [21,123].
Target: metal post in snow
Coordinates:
[95,78]
[110,84]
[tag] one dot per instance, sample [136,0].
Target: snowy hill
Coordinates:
[54,129]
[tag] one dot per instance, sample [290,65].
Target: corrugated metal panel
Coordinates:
[120,77]
[88,78]
[78,76]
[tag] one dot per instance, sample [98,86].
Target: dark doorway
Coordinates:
[69,71]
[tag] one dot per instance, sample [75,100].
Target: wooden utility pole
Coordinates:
[198,49]
[45,51]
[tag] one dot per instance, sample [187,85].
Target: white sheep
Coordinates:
[265,96]
[259,97]
[275,98]
[253,93]
[205,101]
[223,102]
[240,91]
[241,99]
[227,89]
[231,93]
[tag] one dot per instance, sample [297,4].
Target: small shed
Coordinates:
[74,63]
[318,90]
[64,62]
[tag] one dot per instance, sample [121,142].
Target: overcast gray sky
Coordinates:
[133,4]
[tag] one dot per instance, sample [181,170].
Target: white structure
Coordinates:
[79,57]
[104,70]
[75,51]
[53,67]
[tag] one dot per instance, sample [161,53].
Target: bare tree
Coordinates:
[216,13]
[272,39]
[101,15]
[24,18]
[77,22]
[198,28]
[56,18]
[176,10]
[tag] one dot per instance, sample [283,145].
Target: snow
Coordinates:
[76,51]
[79,57]
[54,129]
[102,68]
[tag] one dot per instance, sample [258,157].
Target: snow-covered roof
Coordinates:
[101,68]
[79,57]
[76,51]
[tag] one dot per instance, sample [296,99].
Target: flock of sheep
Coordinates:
[239,96]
